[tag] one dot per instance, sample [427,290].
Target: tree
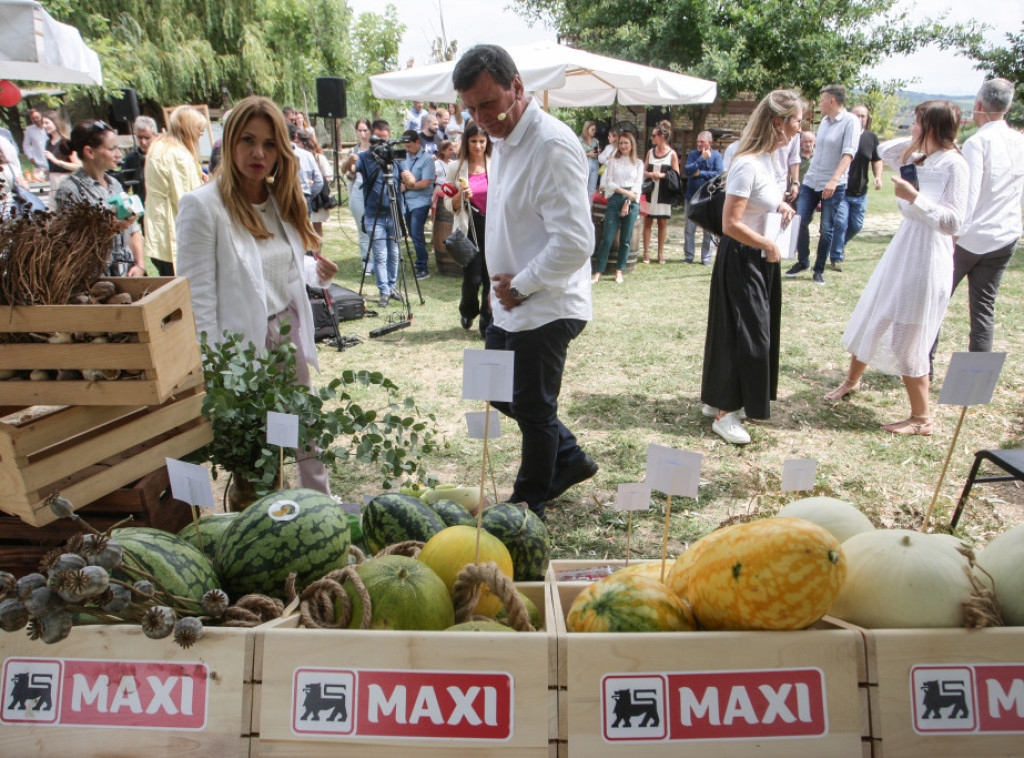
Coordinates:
[749,45]
[378,35]
[180,51]
[1008,63]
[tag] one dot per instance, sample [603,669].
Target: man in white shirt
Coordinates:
[310,178]
[992,221]
[539,241]
[825,182]
[34,142]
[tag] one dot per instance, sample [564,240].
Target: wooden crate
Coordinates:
[199,703]
[514,705]
[982,669]
[779,694]
[148,502]
[85,452]
[167,351]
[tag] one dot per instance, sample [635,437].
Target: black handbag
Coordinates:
[461,248]
[647,188]
[708,205]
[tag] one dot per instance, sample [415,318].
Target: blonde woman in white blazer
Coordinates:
[468,174]
[242,242]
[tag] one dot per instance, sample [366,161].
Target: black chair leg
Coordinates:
[967,491]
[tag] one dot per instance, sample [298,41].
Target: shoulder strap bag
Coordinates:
[708,205]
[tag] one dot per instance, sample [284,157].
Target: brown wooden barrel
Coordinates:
[597,216]
[443,220]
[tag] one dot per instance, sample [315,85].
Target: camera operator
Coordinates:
[417,174]
[377,220]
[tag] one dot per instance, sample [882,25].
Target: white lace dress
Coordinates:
[898,317]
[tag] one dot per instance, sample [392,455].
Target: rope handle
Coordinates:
[467,589]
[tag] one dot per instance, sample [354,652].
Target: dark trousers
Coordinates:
[416,221]
[537,379]
[163,268]
[476,283]
[741,350]
[984,273]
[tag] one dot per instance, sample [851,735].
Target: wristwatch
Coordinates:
[517,294]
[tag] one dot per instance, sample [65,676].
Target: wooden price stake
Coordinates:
[190,483]
[970,380]
[632,497]
[674,472]
[283,431]
[486,375]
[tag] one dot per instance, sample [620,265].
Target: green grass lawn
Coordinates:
[633,378]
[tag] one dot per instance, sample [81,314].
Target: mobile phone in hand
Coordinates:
[908,172]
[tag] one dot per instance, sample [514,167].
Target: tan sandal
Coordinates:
[921,425]
[842,391]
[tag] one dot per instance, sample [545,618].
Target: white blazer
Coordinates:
[225,273]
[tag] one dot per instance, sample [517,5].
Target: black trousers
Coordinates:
[741,351]
[476,283]
[537,380]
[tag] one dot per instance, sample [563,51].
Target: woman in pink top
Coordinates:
[469,175]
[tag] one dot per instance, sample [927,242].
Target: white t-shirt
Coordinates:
[754,177]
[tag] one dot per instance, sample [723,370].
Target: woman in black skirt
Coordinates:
[741,352]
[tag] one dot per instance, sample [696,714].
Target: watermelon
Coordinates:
[298,531]
[405,594]
[525,536]
[211,528]
[393,517]
[479,626]
[452,514]
[178,567]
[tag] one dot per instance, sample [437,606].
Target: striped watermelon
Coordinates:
[180,568]
[298,531]
[211,528]
[393,517]
[525,536]
[452,513]
[628,603]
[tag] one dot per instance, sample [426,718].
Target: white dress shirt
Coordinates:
[995,192]
[538,222]
[34,145]
[621,172]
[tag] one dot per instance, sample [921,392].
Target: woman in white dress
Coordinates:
[659,207]
[898,316]
[741,352]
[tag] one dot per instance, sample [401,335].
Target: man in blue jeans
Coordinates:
[825,181]
[417,176]
[377,220]
[851,216]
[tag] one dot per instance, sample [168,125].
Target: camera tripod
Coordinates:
[390,191]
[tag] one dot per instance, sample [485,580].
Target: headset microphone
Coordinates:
[503,116]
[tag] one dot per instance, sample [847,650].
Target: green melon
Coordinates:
[178,567]
[211,528]
[531,610]
[452,513]
[405,594]
[525,536]
[479,626]
[393,517]
[298,531]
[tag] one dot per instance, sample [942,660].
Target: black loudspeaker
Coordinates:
[126,107]
[330,97]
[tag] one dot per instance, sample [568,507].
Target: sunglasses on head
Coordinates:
[100,126]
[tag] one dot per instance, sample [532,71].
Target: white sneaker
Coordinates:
[730,429]
[710,411]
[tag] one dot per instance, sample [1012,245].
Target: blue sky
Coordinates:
[474,21]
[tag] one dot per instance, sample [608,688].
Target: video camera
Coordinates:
[387,151]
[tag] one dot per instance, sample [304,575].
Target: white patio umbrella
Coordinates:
[35,47]
[563,77]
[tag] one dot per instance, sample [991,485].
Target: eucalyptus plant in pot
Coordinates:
[244,382]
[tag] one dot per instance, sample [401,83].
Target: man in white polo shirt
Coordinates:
[825,181]
[539,241]
[992,221]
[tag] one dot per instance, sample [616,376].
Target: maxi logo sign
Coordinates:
[98,693]
[958,698]
[443,705]
[714,705]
